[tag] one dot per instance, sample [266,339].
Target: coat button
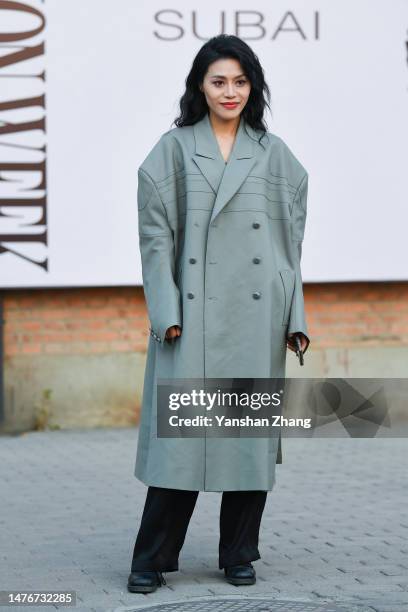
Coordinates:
[192,260]
[190,296]
[256,225]
[256,260]
[256,295]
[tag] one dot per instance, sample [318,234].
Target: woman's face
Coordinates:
[226,88]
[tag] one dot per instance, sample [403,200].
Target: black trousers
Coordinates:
[165,519]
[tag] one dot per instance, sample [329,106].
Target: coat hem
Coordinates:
[152,482]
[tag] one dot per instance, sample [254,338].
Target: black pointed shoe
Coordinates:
[145,582]
[240,574]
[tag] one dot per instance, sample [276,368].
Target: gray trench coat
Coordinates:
[221,247]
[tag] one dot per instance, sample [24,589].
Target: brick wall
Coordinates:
[114,320]
[67,321]
[78,355]
[359,314]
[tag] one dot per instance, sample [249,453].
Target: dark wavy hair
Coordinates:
[193,105]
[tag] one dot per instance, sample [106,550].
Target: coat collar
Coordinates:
[206,144]
[224,179]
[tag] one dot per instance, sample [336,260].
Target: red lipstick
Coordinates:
[230,105]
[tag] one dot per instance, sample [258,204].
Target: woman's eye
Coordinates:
[220,83]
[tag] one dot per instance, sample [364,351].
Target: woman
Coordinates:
[222,210]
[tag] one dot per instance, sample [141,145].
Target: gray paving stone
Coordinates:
[333,527]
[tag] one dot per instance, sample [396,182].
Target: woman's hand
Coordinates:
[173,332]
[304,341]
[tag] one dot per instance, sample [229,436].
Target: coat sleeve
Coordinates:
[157,254]
[297,318]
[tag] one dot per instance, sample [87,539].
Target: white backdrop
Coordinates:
[114,72]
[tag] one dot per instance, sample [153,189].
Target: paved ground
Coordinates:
[335,527]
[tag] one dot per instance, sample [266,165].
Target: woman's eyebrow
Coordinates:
[221,76]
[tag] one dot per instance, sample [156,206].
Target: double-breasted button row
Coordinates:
[190,295]
[256,260]
[155,336]
[256,295]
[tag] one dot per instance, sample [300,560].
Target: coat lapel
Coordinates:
[207,154]
[224,179]
[239,165]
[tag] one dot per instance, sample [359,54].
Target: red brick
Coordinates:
[31,349]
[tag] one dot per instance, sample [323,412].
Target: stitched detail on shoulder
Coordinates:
[298,188]
[262,195]
[282,177]
[185,190]
[143,171]
[285,183]
[155,189]
[143,203]
[172,174]
[178,177]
